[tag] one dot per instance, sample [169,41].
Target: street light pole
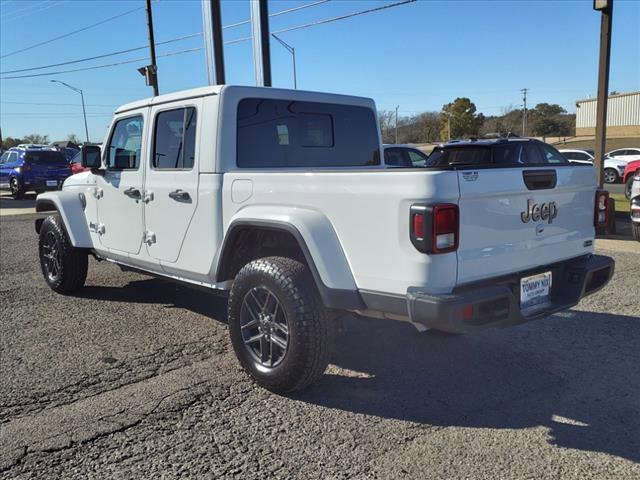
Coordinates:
[292,51]
[84,112]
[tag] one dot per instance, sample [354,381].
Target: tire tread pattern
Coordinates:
[74,262]
[313,333]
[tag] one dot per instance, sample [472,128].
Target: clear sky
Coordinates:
[419,56]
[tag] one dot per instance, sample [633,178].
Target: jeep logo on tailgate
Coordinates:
[535,212]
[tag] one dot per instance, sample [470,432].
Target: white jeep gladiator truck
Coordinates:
[281,198]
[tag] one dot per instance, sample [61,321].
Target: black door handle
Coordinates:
[180,196]
[133,192]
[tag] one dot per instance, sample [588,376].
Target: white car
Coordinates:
[398,155]
[635,206]
[624,154]
[281,198]
[613,167]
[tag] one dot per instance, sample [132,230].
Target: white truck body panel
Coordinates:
[354,221]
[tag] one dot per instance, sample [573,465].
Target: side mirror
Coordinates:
[91,157]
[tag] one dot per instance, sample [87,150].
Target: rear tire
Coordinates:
[610,175]
[635,231]
[281,332]
[63,266]
[17,190]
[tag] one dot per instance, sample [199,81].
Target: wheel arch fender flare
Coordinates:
[69,206]
[316,238]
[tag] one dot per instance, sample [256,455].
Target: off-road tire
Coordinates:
[635,231]
[311,330]
[72,263]
[17,190]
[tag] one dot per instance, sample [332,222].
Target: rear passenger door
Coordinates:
[171,184]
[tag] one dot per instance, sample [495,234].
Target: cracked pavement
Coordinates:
[135,378]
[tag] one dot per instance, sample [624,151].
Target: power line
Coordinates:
[26,14]
[230,42]
[328,20]
[29,7]
[58,104]
[135,60]
[71,33]
[275,14]
[184,37]
[119,52]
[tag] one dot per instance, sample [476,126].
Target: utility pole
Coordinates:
[151,71]
[606,9]
[292,51]
[260,35]
[397,107]
[524,113]
[212,23]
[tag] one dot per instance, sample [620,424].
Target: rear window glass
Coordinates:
[45,158]
[282,133]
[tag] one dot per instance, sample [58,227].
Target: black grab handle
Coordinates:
[540,179]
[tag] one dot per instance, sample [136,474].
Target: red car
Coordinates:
[627,177]
[76,164]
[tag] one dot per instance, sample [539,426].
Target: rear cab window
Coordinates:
[284,133]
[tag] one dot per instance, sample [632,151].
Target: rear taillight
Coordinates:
[435,228]
[600,214]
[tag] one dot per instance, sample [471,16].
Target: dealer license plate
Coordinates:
[52,183]
[534,290]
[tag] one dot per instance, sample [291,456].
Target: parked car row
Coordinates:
[615,162]
[32,168]
[635,204]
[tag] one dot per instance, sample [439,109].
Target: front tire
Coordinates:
[635,231]
[17,190]
[281,332]
[63,266]
[610,175]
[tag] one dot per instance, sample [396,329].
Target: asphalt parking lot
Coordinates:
[136,378]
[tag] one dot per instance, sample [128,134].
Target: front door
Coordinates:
[120,190]
[171,182]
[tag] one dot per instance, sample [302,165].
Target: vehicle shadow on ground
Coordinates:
[575,373]
[158,291]
[578,376]
[7,201]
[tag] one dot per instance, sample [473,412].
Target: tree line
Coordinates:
[460,119]
[36,138]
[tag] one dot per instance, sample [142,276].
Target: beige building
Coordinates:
[623,116]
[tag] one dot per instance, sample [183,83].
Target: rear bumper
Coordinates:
[496,302]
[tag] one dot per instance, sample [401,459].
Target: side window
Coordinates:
[418,159]
[396,157]
[13,157]
[582,156]
[4,157]
[285,133]
[174,141]
[532,155]
[551,155]
[125,144]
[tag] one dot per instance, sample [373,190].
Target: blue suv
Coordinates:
[30,168]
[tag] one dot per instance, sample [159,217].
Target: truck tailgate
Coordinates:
[499,234]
